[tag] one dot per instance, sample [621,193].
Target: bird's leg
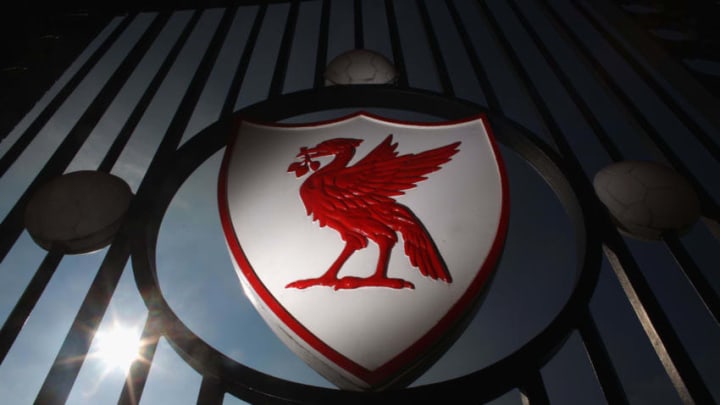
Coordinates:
[380,278]
[329,279]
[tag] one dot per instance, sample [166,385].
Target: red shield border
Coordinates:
[403,364]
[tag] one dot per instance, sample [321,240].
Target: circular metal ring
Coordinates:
[254,386]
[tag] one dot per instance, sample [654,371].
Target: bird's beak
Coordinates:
[310,153]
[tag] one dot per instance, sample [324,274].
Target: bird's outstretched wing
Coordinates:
[366,190]
[383,174]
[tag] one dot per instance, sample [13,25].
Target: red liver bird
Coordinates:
[357,201]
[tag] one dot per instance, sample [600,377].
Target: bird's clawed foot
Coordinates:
[350,283]
[347,283]
[311,282]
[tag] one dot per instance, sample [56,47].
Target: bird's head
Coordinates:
[330,147]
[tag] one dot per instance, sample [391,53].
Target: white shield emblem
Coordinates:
[363,242]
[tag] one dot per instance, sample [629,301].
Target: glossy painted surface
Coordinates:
[360,333]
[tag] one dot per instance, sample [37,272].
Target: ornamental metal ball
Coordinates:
[360,66]
[79,212]
[647,199]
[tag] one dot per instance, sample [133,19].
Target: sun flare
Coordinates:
[118,346]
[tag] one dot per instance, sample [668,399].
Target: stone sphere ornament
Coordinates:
[360,66]
[79,212]
[647,199]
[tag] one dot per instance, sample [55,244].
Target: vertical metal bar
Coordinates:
[31,295]
[234,91]
[696,278]
[15,321]
[676,361]
[600,359]
[440,66]
[574,94]
[63,373]
[533,391]
[60,379]
[12,225]
[703,288]
[542,108]
[478,68]
[139,110]
[45,59]
[321,59]
[667,345]
[666,67]
[398,58]
[111,157]
[182,116]
[278,80]
[211,392]
[688,266]
[358,24]
[22,143]
[137,376]
[710,207]
[140,369]
[698,132]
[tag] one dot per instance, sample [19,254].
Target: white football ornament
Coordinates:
[647,199]
[360,66]
[78,212]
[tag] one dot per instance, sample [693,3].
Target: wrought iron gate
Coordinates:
[562,85]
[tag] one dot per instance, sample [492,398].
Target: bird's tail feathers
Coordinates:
[423,253]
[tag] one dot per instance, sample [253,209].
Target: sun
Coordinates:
[118,346]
